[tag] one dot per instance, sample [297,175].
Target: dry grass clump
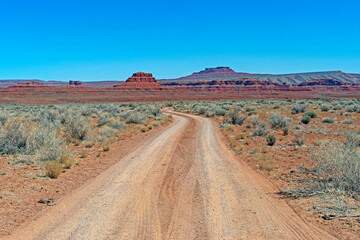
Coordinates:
[53,168]
[144,129]
[299,139]
[265,164]
[66,160]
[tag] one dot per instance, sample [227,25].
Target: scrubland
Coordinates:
[41,143]
[308,148]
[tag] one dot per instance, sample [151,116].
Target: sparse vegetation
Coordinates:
[53,168]
[328,120]
[47,133]
[271,140]
[305,119]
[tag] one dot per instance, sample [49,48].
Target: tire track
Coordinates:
[183,184]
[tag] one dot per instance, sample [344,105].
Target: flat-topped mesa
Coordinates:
[139,80]
[141,77]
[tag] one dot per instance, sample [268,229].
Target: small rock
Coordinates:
[328,217]
[49,202]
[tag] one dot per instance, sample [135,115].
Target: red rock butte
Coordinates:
[141,80]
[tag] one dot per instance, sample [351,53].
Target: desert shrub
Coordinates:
[271,140]
[339,167]
[53,168]
[156,123]
[86,111]
[249,109]
[43,141]
[136,117]
[254,120]
[209,114]
[201,110]
[260,129]
[353,139]
[337,107]
[278,121]
[4,117]
[266,164]
[305,119]
[328,120]
[325,107]
[347,121]
[236,117]
[78,127]
[219,111]
[66,161]
[310,114]
[299,139]
[117,124]
[351,108]
[156,111]
[14,139]
[144,129]
[252,113]
[298,108]
[104,118]
[106,132]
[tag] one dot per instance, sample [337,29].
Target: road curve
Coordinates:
[183,184]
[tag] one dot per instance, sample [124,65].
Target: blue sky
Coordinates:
[109,40]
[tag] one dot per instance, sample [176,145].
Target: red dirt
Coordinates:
[182,184]
[24,185]
[41,95]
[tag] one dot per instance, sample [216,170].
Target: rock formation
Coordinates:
[74,83]
[292,78]
[323,82]
[141,80]
[214,73]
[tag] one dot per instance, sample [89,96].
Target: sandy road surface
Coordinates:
[183,184]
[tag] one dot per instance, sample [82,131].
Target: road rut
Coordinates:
[183,184]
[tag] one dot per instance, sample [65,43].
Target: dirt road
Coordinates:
[183,184]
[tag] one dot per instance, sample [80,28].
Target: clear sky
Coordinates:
[109,39]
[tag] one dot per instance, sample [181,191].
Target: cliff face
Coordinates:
[140,80]
[324,82]
[292,79]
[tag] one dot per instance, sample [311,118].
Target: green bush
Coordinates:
[305,119]
[271,140]
[310,114]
